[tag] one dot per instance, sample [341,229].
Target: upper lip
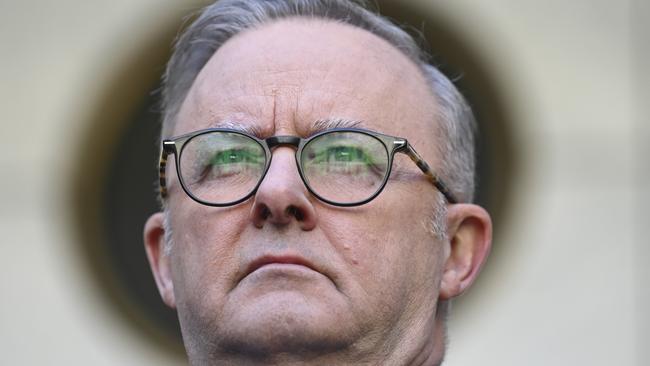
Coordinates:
[283,259]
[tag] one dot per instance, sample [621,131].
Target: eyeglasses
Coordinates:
[341,166]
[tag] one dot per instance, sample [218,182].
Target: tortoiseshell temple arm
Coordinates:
[166,148]
[429,173]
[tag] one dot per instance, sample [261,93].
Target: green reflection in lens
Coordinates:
[237,156]
[340,154]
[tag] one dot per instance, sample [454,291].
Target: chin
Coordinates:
[285,322]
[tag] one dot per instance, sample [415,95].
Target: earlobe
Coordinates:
[470,239]
[154,243]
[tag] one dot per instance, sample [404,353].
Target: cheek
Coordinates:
[204,249]
[392,261]
[386,242]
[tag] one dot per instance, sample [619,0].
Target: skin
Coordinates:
[376,272]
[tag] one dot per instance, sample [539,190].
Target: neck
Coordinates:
[414,348]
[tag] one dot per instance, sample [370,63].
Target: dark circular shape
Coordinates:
[128,200]
[115,183]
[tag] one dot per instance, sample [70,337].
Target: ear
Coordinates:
[154,244]
[469,229]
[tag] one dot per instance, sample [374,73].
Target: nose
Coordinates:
[282,197]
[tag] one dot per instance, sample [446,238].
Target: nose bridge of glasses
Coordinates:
[283,141]
[278,171]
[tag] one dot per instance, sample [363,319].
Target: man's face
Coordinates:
[357,278]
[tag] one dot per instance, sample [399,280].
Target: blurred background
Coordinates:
[560,91]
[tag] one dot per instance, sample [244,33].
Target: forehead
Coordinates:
[284,76]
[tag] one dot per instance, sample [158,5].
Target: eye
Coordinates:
[339,154]
[235,156]
[348,160]
[228,163]
[347,154]
[235,161]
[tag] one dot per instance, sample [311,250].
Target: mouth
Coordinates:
[268,260]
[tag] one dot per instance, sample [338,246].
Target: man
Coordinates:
[300,225]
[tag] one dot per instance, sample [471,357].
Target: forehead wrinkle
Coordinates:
[318,88]
[231,100]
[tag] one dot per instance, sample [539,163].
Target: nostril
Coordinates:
[299,215]
[282,208]
[265,212]
[295,212]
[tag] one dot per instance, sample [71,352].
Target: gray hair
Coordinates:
[219,22]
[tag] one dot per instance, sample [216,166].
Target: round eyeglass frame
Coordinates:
[391,144]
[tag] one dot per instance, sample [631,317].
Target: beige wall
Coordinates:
[569,289]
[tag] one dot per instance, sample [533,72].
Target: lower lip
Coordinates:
[277,265]
[288,268]
[274,276]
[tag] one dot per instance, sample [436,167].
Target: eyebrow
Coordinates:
[330,123]
[232,125]
[320,125]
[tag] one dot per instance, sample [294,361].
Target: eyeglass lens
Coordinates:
[343,167]
[221,167]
